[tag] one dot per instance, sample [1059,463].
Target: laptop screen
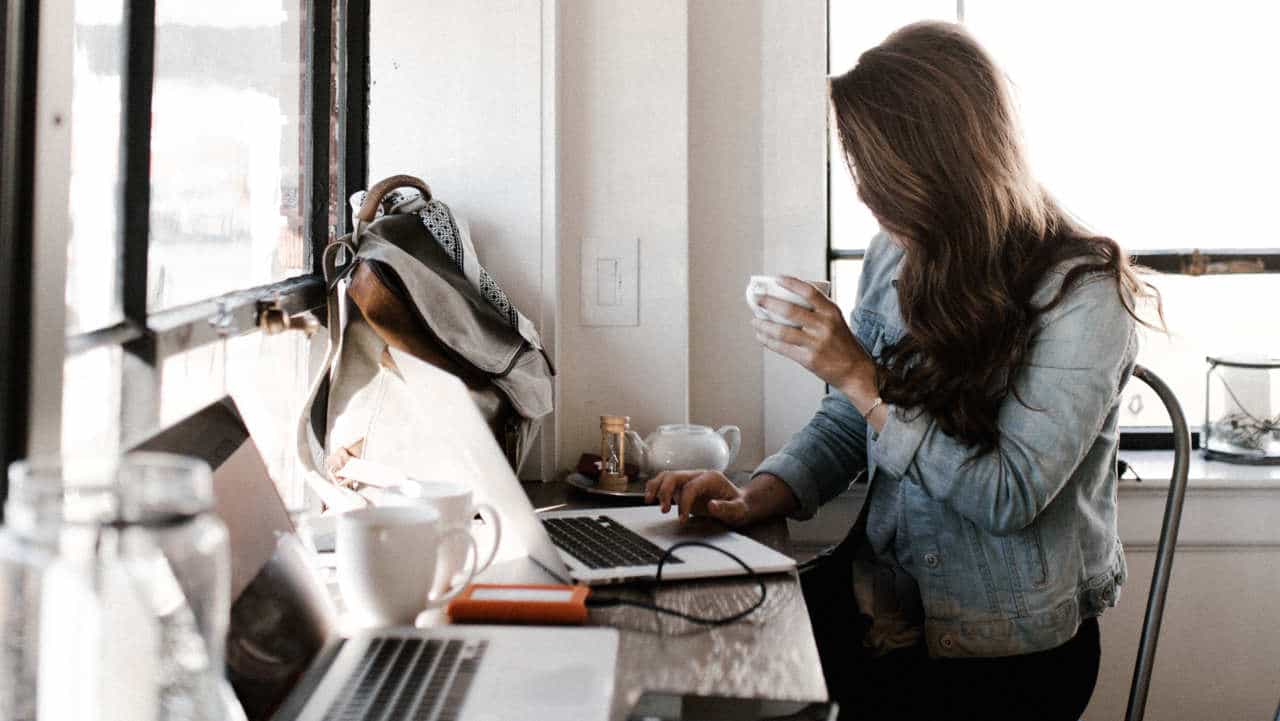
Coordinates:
[281,613]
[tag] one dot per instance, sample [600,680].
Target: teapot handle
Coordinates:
[634,441]
[732,435]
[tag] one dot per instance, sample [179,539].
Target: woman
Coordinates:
[978,389]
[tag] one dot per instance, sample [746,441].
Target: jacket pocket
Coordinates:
[1028,551]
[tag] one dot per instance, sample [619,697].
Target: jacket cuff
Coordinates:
[896,444]
[798,477]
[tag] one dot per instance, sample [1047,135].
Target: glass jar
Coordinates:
[28,542]
[1242,410]
[134,578]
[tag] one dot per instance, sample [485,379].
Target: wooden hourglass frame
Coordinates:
[613,451]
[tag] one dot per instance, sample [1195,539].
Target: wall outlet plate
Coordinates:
[610,282]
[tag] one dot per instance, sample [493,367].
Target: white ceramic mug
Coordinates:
[388,559]
[762,285]
[456,506]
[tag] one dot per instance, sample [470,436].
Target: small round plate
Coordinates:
[632,490]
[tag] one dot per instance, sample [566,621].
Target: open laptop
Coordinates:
[596,546]
[287,660]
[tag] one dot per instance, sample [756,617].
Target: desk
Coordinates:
[771,653]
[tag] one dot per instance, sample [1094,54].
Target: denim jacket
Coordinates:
[1012,550]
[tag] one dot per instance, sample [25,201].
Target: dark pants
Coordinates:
[907,684]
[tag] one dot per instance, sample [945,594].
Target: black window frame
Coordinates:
[1172,261]
[17,168]
[336,100]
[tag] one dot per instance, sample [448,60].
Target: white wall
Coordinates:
[624,173]
[698,128]
[757,203]
[794,222]
[457,100]
[726,243]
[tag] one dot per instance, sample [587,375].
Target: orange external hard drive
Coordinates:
[535,604]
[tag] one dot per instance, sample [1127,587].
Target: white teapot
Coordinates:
[684,447]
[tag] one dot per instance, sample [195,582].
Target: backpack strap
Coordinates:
[369,208]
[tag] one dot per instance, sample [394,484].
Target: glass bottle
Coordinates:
[28,542]
[134,598]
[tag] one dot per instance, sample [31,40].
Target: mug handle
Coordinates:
[472,570]
[489,515]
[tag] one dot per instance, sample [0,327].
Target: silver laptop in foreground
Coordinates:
[465,673]
[287,660]
[596,546]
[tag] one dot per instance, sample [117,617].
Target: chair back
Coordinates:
[1164,551]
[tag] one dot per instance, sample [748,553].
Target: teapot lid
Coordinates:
[687,428]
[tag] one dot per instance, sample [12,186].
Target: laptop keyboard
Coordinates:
[409,679]
[603,543]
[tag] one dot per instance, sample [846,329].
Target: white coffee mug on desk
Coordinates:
[388,560]
[768,285]
[457,508]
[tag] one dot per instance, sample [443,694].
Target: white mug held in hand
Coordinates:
[387,562]
[762,285]
[455,504]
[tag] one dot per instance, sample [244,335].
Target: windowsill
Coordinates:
[1155,468]
[1229,506]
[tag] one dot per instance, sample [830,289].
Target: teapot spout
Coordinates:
[733,436]
[636,443]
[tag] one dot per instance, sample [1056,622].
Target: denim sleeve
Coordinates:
[820,461]
[1076,367]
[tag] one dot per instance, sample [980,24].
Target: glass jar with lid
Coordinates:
[132,573]
[1242,409]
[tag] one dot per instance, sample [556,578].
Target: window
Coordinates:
[226,131]
[1150,122]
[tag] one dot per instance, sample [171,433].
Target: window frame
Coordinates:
[336,82]
[17,168]
[1170,261]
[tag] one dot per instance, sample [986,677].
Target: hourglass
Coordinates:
[613,451]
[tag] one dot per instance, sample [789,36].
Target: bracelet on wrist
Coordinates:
[874,406]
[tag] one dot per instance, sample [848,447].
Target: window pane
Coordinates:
[267,375]
[93,250]
[1132,138]
[226,211]
[1129,135]
[1154,122]
[854,26]
[1209,315]
[844,283]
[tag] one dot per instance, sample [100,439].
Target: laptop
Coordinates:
[287,660]
[597,546]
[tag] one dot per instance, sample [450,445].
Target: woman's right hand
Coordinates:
[699,493]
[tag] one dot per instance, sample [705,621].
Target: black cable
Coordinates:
[604,602]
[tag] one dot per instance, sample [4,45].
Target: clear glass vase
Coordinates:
[1242,410]
[134,581]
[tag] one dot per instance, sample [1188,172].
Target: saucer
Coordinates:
[632,490]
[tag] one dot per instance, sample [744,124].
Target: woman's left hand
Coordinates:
[823,343]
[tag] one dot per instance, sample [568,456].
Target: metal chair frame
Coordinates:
[1160,577]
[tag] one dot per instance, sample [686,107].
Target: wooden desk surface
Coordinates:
[769,654]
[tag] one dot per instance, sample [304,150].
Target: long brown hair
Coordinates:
[931,138]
